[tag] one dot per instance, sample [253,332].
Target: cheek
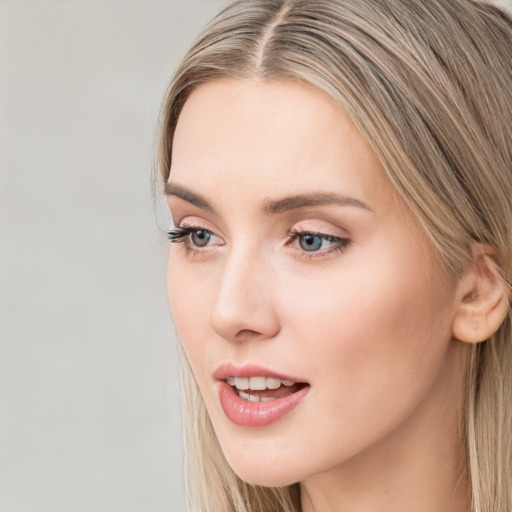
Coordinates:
[188,306]
[191,294]
[373,304]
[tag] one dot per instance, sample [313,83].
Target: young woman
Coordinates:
[339,173]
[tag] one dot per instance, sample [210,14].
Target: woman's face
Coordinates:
[299,263]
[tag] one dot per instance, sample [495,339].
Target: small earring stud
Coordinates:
[475,325]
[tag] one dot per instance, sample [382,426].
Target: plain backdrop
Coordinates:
[89,403]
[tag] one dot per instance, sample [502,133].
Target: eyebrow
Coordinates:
[173,189]
[310,200]
[271,207]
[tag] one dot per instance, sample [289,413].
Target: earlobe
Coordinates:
[483,299]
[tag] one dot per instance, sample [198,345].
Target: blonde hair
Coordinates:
[429,84]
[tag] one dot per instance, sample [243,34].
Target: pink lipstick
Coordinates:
[253,396]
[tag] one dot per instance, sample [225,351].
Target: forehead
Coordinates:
[282,133]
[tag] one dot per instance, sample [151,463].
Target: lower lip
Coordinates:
[251,414]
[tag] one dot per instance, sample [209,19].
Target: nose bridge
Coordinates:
[244,299]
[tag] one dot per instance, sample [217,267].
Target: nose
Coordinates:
[244,305]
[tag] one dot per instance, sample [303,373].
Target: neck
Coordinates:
[418,466]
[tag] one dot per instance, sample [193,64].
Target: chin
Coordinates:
[266,477]
[266,470]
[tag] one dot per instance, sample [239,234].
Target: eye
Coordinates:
[193,238]
[321,243]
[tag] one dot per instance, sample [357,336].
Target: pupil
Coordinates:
[200,237]
[310,242]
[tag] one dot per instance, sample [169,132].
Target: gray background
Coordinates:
[89,407]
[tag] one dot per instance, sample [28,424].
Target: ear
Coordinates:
[483,298]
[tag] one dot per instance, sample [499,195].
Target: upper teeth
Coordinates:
[257,383]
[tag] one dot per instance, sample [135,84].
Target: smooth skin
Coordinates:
[365,314]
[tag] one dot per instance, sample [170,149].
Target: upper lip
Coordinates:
[226,370]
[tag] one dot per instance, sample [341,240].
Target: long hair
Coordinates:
[429,85]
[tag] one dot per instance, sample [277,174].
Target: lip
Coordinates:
[251,414]
[250,370]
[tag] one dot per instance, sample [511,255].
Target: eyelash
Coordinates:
[182,235]
[179,234]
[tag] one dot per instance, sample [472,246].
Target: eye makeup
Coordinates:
[308,244]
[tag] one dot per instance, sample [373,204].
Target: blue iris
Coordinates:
[200,237]
[310,242]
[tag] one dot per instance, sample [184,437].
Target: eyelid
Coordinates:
[196,222]
[322,225]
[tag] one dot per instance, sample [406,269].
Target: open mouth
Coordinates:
[263,389]
[252,396]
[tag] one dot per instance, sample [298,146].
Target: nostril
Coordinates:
[246,334]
